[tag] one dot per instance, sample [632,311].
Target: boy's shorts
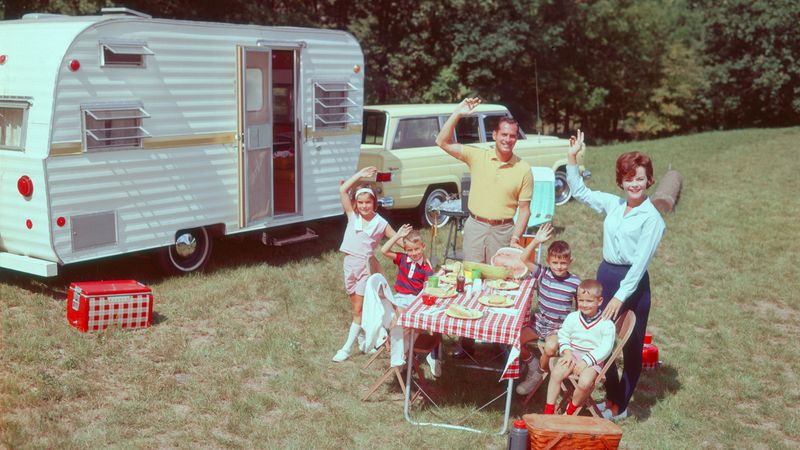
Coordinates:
[577,356]
[543,326]
[403,300]
[356,271]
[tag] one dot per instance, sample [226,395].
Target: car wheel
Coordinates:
[434,198]
[190,252]
[563,193]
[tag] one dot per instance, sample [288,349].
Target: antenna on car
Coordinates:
[538,117]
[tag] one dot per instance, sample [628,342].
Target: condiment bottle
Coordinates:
[518,436]
[460,280]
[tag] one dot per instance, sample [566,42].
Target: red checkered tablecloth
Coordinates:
[500,325]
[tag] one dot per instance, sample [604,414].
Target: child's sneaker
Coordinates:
[607,414]
[341,355]
[533,378]
[436,365]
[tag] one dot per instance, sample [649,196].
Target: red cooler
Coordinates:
[96,305]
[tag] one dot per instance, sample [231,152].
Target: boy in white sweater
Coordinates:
[585,341]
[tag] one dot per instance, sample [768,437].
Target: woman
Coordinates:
[632,231]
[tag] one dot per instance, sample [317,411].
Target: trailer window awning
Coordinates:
[118,126]
[124,54]
[335,105]
[129,49]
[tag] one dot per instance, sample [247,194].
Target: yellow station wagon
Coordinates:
[414,173]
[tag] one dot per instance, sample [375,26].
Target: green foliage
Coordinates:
[753,58]
[617,68]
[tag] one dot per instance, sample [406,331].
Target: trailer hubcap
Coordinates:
[185,245]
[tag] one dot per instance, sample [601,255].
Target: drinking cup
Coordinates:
[433,281]
[428,300]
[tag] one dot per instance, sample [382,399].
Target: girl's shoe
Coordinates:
[341,355]
[607,414]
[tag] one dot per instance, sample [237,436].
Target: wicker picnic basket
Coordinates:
[548,432]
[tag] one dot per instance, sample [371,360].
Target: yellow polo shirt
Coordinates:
[496,187]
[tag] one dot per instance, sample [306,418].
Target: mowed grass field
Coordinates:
[240,356]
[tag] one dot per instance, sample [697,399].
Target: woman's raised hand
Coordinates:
[575,144]
[467,106]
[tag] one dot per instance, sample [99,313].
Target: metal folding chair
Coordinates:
[624,324]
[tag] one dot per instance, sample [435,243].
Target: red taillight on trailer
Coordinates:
[25,186]
[61,221]
[3,59]
[29,223]
[383,177]
[74,65]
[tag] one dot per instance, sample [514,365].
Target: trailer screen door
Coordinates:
[267,144]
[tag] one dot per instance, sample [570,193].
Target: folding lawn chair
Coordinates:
[543,203]
[624,324]
[378,315]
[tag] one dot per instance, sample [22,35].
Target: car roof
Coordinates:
[430,109]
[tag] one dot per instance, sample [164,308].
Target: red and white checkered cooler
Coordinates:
[96,305]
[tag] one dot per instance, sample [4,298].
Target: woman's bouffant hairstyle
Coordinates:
[627,164]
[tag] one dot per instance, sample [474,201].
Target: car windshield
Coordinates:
[374,127]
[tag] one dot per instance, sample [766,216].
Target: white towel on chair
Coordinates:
[376,315]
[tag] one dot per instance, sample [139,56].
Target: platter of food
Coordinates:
[503,285]
[440,291]
[510,258]
[450,278]
[498,301]
[452,266]
[459,312]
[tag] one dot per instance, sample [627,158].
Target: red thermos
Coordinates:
[649,353]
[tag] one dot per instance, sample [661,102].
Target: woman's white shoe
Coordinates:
[607,414]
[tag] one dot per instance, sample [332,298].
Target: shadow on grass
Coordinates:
[653,387]
[227,252]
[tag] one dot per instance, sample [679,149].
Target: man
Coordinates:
[500,183]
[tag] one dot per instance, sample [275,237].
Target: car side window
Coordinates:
[467,131]
[374,127]
[416,133]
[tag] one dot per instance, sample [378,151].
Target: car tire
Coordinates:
[434,197]
[190,252]
[563,192]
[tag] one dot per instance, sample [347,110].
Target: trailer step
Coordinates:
[307,234]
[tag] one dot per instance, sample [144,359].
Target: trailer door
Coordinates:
[255,135]
[268,157]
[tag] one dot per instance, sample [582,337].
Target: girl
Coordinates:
[365,229]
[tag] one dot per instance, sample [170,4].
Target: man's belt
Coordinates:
[492,221]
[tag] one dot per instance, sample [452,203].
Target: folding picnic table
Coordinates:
[498,325]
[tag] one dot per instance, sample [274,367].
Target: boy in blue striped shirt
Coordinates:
[556,294]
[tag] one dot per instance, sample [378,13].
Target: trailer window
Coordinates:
[107,128]
[334,105]
[374,127]
[123,54]
[416,133]
[12,124]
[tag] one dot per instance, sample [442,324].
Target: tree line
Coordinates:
[620,69]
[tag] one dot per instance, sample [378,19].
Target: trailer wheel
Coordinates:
[434,197]
[190,252]
[563,192]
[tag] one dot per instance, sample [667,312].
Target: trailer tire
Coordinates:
[190,252]
[433,197]
[563,192]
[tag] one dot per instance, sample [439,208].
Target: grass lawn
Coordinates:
[240,356]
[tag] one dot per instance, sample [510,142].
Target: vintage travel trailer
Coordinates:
[121,133]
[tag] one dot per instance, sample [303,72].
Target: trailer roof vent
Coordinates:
[124,11]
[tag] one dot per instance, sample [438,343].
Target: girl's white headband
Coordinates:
[364,190]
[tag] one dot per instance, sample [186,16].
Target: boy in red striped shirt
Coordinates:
[413,269]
